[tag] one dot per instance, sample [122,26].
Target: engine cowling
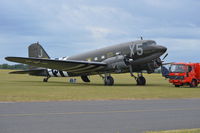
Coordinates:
[153,65]
[116,63]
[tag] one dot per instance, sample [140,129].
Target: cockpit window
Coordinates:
[149,43]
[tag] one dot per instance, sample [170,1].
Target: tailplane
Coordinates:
[35,50]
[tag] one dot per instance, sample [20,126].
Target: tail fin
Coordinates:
[37,51]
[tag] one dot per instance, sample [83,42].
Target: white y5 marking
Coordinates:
[138,49]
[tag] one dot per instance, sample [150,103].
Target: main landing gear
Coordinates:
[140,79]
[46,79]
[108,80]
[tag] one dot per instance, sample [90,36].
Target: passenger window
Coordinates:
[96,58]
[118,53]
[102,57]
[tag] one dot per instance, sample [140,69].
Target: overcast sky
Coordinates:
[68,27]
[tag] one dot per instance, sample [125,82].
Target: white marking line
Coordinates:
[99,112]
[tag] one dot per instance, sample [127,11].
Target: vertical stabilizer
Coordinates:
[37,51]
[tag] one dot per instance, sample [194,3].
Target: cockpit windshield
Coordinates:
[149,43]
[178,68]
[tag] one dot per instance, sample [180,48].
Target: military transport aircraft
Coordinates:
[135,56]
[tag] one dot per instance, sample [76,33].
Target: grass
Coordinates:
[179,131]
[29,88]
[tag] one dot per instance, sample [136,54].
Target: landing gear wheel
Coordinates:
[109,81]
[193,83]
[141,81]
[45,80]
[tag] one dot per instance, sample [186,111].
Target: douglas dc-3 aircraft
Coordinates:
[130,57]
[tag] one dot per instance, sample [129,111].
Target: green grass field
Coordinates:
[30,88]
[179,131]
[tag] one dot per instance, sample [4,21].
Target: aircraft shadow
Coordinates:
[55,83]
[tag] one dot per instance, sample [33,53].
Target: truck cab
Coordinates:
[184,74]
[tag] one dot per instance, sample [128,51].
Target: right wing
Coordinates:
[74,66]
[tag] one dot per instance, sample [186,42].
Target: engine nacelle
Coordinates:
[153,65]
[116,63]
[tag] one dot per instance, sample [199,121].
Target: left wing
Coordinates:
[31,71]
[64,65]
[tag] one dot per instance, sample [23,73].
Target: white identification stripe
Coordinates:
[58,74]
[50,72]
[65,73]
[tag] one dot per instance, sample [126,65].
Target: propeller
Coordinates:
[164,70]
[165,56]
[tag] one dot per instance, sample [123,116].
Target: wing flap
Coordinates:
[64,65]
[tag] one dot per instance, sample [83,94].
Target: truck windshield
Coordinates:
[178,68]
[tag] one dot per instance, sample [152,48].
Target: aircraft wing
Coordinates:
[74,66]
[28,71]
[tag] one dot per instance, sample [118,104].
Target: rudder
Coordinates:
[37,51]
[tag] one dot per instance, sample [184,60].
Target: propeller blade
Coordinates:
[167,63]
[165,72]
[165,56]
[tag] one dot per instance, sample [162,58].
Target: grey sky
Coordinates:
[68,27]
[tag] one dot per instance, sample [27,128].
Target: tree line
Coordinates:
[16,66]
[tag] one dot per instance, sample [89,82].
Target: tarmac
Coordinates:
[123,116]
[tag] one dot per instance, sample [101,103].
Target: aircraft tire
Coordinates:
[109,81]
[141,81]
[45,80]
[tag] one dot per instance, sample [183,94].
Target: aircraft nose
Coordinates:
[161,49]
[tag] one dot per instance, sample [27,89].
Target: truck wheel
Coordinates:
[193,83]
[177,85]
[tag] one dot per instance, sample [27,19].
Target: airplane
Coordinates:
[135,56]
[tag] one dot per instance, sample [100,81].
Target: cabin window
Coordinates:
[89,59]
[118,53]
[96,58]
[103,57]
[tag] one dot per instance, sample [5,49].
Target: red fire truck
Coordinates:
[184,74]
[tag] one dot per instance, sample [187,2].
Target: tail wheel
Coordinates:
[193,83]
